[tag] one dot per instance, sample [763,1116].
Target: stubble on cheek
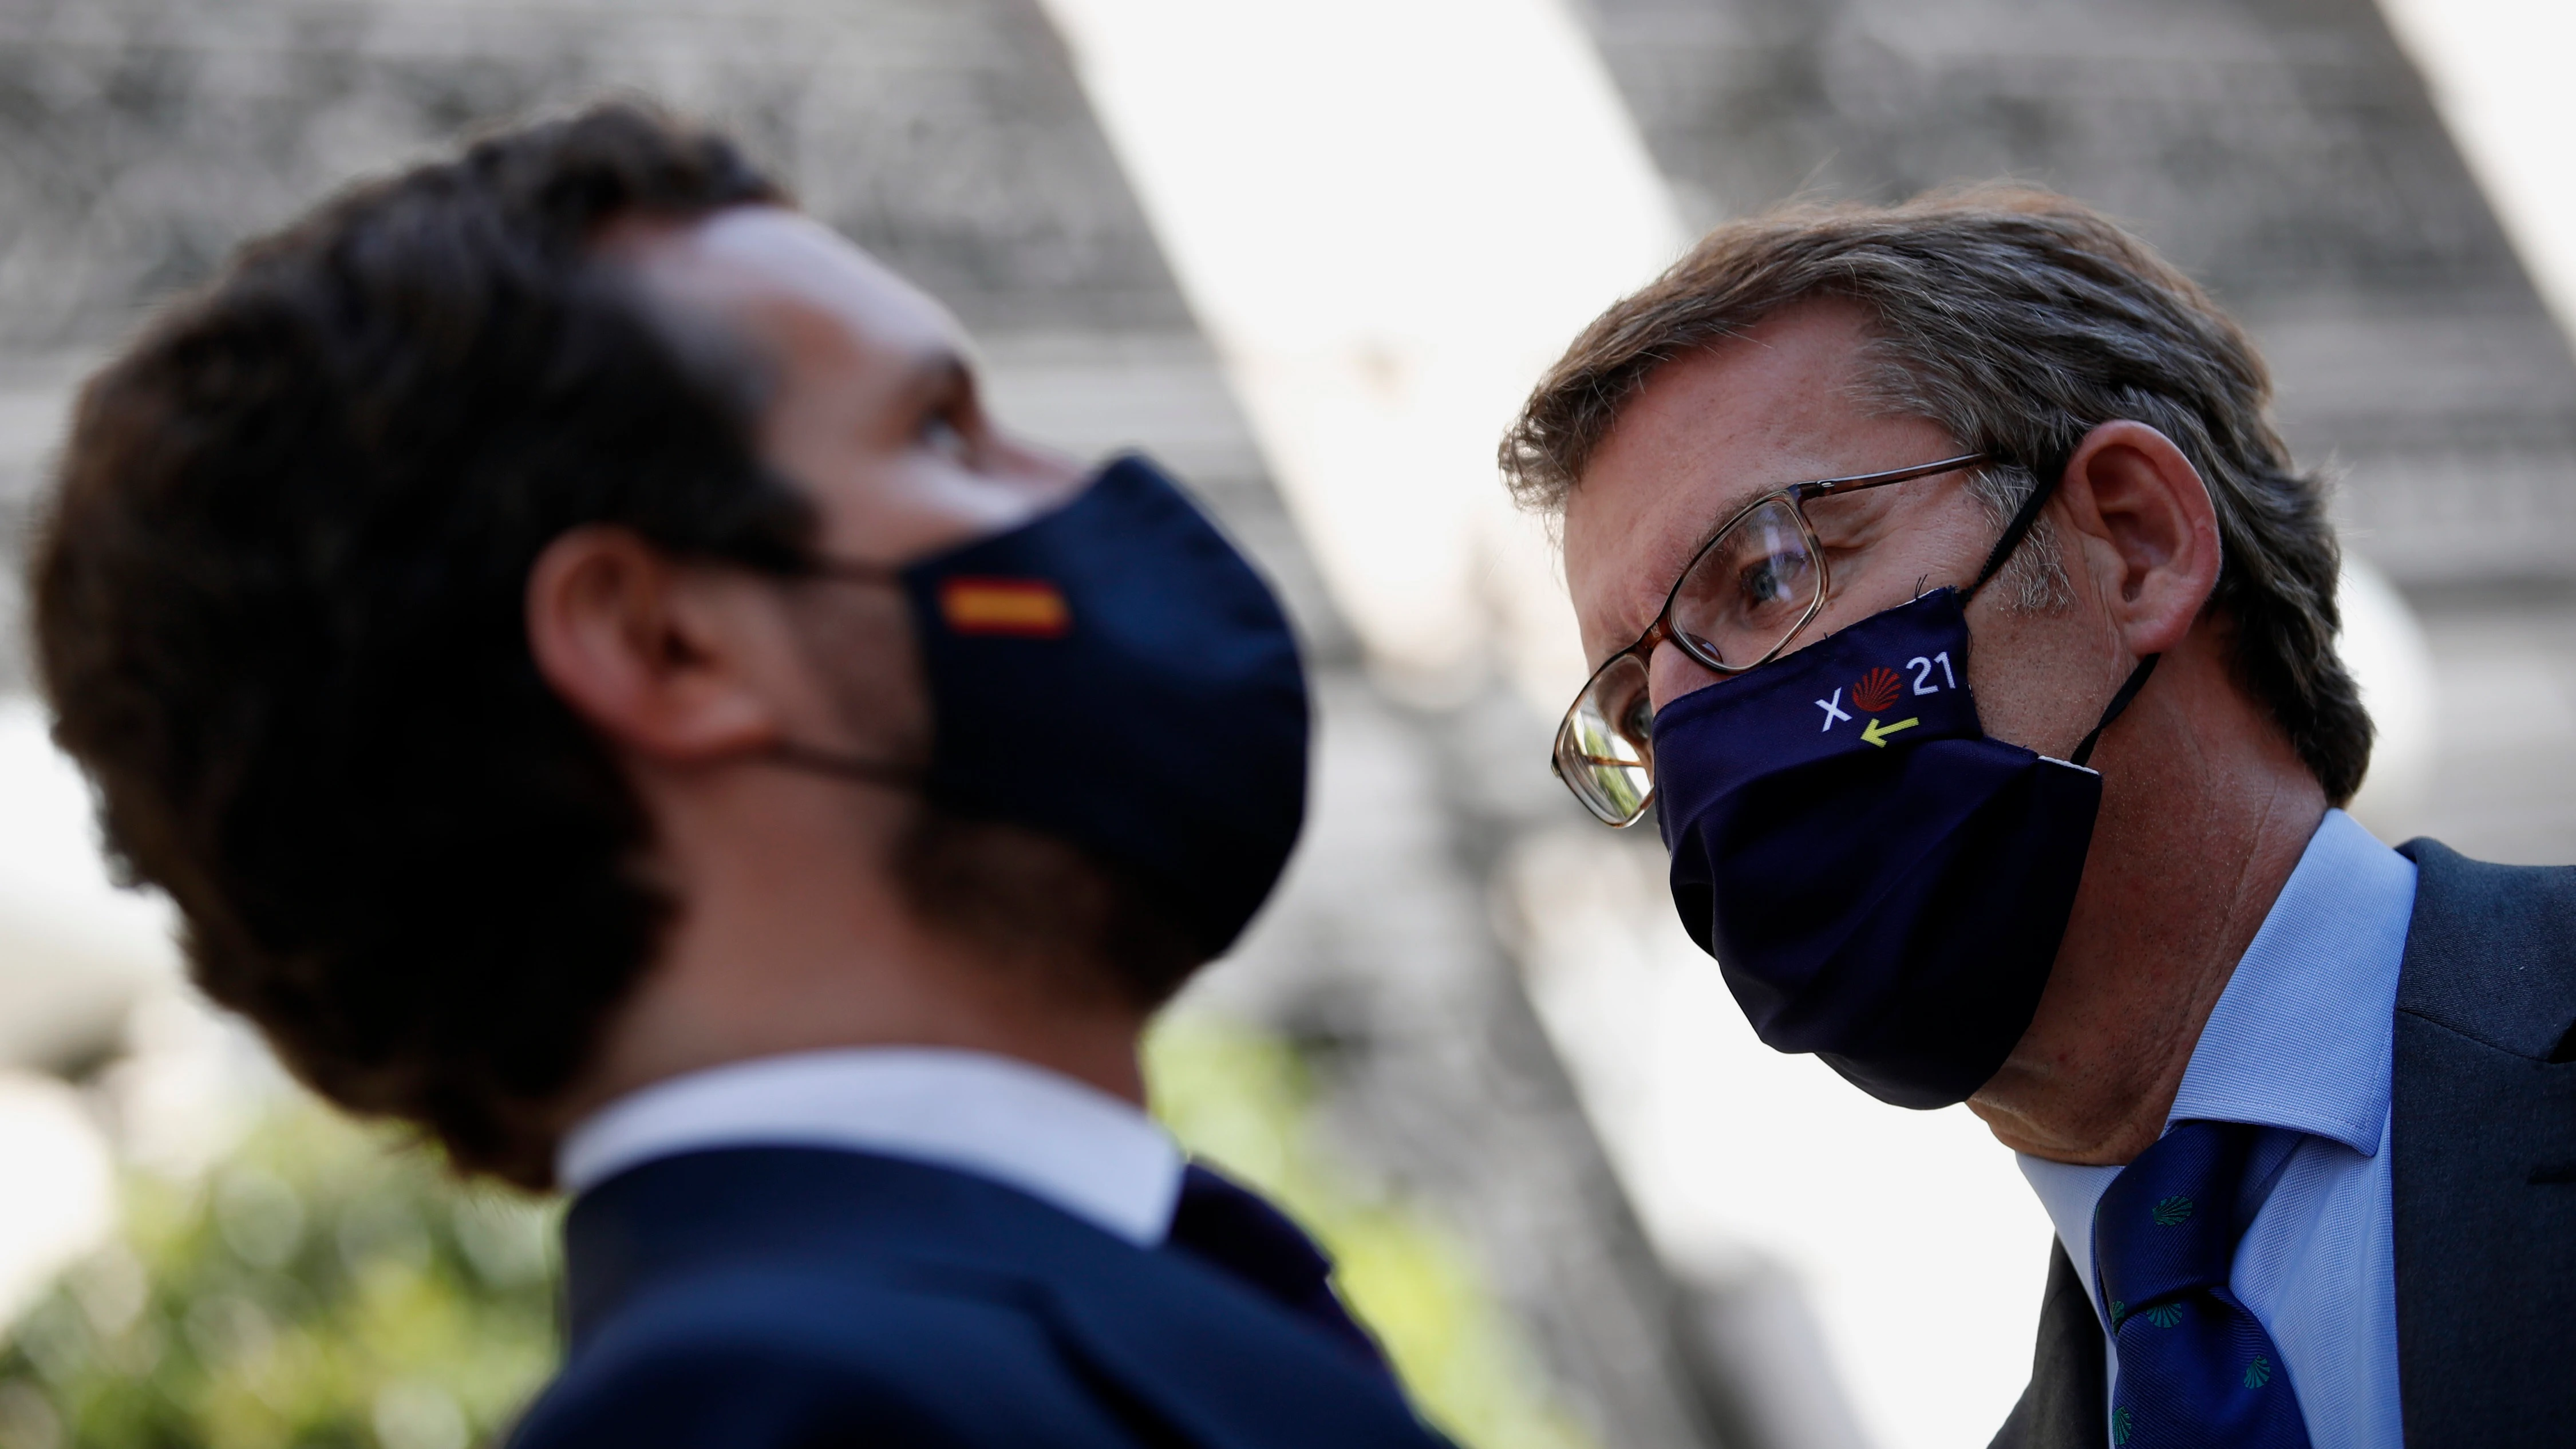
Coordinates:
[1050,922]
[857,641]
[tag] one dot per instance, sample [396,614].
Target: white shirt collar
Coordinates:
[1076,1147]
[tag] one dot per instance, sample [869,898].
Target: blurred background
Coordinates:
[1312,255]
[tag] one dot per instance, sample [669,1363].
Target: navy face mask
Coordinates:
[1882,883]
[1115,675]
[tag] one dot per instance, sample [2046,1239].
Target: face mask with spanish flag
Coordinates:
[1115,674]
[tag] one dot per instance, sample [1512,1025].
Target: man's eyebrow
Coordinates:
[1721,516]
[1668,566]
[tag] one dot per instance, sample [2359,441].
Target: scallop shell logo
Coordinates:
[1876,689]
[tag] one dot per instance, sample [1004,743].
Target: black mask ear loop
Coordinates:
[2017,530]
[2014,533]
[888,773]
[847,767]
[2137,680]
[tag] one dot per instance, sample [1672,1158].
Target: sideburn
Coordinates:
[1044,910]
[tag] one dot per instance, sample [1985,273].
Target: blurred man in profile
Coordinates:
[1971,633]
[564,630]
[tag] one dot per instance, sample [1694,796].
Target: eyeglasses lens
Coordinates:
[1751,590]
[1605,748]
[1745,595]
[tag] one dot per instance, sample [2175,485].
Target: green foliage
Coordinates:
[328,1287]
[1244,1101]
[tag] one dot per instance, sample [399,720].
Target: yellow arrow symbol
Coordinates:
[1877,733]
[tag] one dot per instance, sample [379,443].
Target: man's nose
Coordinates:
[1672,673]
[1046,475]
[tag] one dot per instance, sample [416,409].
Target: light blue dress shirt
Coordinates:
[2302,1039]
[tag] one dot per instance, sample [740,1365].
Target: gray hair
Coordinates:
[2019,321]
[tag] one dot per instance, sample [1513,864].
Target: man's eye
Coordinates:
[1637,717]
[940,434]
[1763,582]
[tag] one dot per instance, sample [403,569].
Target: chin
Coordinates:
[1040,908]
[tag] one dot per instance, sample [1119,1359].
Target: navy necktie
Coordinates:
[1237,1231]
[2197,1371]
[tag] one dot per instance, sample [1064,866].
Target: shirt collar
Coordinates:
[1058,1140]
[2303,1036]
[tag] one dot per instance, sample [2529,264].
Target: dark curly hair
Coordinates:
[278,608]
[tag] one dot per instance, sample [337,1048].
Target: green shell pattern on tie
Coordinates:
[2258,1373]
[2173,1212]
[2165,1315]
[2121,1425]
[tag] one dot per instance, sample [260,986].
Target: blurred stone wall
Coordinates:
[141,139]
[2284,152]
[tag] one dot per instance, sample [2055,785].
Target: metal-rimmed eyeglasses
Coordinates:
[1759,579]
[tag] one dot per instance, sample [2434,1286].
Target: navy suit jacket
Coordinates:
[2483,1132]
[774,1297]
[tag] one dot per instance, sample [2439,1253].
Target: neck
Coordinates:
[2206,809]
[797,939]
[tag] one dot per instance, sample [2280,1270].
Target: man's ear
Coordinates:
[652,653]
[2144,520]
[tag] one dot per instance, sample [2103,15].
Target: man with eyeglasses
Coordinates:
[1965,625]
[599,688]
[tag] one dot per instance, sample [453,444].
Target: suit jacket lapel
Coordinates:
[2484,1137]
[2067,1405]
[1187,1342]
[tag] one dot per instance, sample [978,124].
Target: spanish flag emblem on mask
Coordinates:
[1016,608]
